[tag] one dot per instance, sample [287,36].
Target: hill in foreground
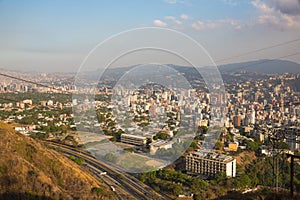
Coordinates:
[29,170]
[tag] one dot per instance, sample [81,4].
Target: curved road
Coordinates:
[131,184]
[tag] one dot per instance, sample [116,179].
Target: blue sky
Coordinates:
[56,35]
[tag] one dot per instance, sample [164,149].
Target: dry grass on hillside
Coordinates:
[29,170]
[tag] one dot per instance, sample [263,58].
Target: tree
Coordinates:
[113,139]
[177,189]
[202,129]
[229,137]
[142,178]
[194,145]
[282,145]
[99,191]
[197,185]
[41,136]
[219,145]
[243,182]
[220,178]
[78,161]
[161,135]
[251,146]
[239,169]
[129,149]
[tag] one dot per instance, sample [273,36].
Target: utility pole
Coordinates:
[292,173]
[276,137]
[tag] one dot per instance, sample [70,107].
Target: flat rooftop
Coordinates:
[133,136]
[160,143]
[211,155]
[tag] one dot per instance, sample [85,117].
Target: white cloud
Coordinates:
[160,23]
[171,1]
[184,16]
[262,7]
[176,23]
[199,25]
[215,24]
[277,15]
[173,19]
[170,17]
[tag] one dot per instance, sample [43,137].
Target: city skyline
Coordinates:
[150,99]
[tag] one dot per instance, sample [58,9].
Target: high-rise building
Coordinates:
[252,117]
[152,110]
[206,162]
[237,121]
[292,137]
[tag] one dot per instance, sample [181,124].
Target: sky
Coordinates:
[56,35]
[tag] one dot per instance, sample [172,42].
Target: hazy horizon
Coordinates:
[129,66]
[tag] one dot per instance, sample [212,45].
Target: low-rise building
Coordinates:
[133,139]
[160,144]
[233,146]
[209,163]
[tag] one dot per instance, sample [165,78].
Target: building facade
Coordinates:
[210,163]
[133,139]
[292,137]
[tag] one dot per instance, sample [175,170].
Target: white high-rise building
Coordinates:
[252,117]
[206,162]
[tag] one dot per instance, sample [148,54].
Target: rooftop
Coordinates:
[211,155]
[160,143]
[134,136]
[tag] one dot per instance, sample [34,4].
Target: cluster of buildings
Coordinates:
[168,107]
[27,103]
[259,106]
[254,107]
[62,82]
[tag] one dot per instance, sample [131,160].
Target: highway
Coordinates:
[128,182]
[107,180]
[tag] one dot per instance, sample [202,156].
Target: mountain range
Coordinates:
[263,66]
